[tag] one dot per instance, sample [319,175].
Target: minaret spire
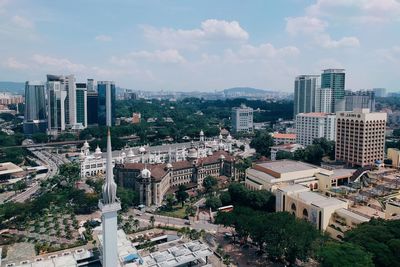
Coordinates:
[109,187]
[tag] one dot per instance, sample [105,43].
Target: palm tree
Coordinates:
[152,220]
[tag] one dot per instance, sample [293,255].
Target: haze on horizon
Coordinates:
[201,45]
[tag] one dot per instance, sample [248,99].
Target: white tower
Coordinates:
[109,205]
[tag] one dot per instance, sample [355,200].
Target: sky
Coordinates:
[202,45]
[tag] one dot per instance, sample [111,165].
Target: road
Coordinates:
[51,163]
[171,221]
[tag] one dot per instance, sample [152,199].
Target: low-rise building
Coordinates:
[343,220]
[7,169]
[290,148]
[394,155]
[284,138]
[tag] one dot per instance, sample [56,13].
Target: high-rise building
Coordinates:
[335,79]
[109,206]
[91,85]
[92,107]
[360,137]
[55,107]
[35,118]
[304,93]
[81,105]
[310,126]
[360,100]
[242,119]
[69,85]
[106,108]
[380,92]
[323,100]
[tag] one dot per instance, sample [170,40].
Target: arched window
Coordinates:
[293,207]
[305,213]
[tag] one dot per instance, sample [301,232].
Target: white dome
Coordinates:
[209,153]
[146,173]
[222,157]
[229,137]
[169,165]
[142,149]
[82,155]
[130,153]
[86,144]
[220,136]
[192,153]
[98,150]
[123,154]
[201,133]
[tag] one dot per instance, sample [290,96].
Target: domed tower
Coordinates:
[201,136]
[145,187]
[97,152]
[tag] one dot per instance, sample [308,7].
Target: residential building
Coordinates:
[92,107]
[359,100]
[304,93]
[35,118]
[290,148]
[323,100]
[136,117]
[310,126]
[335,80]
[242,119]
[360,137]
[9,99]
[69,85]
[56,97]
[284,138]
[380,92]
[81,105]
[106,104]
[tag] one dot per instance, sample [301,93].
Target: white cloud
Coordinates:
[267,51]
[307,25]
[360,10]
[326,41]
[58,63]
[12,63]
[163,56]
[103,38]
[390,54]
[210,30]
[22,22]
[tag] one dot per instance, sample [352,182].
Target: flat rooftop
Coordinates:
[284,166]
[352,215]
[9,168]
[319,200]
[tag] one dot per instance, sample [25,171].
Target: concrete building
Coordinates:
[106,104]
[335,80]
[9,99]
[242,119]
[91,85]
[394,155]
[310,126]
[311,206]
[56,97]
[360,137]
[323,100]
[359,100]
[284,138]
[69,85]
[154,181]
[109,206]
[304,93]
[290,148]
[35,118]
[380,92]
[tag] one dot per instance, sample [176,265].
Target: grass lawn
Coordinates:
[177,212]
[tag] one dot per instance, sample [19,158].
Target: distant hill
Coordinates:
[247,91]
[15,87]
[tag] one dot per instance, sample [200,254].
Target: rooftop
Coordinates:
[353,215]
[284,166]
[9,168]
[319,200]
[314,114]
[284,135]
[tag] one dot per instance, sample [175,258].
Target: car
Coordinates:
[188,223]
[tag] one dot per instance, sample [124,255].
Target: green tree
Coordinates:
[210,183]
[334,254]
[152,220]
[284,155]
[181,194]
[314,154]
[225,198]
[213,202]
[128,197]
[170,199]
[262,143]
[190,211]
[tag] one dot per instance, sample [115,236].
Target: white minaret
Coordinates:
[109,206]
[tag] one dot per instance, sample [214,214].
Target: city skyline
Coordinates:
[201,45]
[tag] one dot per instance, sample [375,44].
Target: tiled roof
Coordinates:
[284,135]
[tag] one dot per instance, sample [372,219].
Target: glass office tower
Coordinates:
[106,105]
[35,118]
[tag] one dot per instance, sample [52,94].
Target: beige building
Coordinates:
[284,138]
[343,220]
[394,155]
[360,137]
[310,126]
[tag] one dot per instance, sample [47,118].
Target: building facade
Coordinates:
[310,126]
[284,138]
[242,119]
[154,181]
[35,118]
[360,100]
[304,93]
[92,107]
[335,80]
[106,103]
[323,100]
[380,92]
[81,105]
[360,137]
[56,98]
